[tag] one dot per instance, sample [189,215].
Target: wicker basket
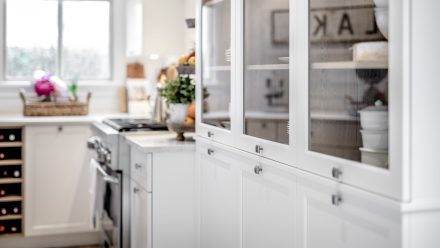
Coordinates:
[35,108]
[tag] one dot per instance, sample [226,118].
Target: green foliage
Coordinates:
[180,90]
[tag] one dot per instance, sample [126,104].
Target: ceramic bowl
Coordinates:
[374,118]
[381,15]
[375,140]
[374,157]
[370,51]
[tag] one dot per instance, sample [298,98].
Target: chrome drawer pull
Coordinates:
[258,149]
[336,173]
[336,200]
[210,134]
[210,151]
[137,166]
[136,190]
[258,169]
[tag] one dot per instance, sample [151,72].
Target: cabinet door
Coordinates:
[219,202]
[350,98]
[141,217]
[215,73]
[57,181]
[268,206]
[264,77]
[330,215]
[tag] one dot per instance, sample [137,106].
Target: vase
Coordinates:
[178,112]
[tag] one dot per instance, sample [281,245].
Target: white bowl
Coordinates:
[370,51]
[374,118]
[381,3]
[373,157]
[381,15]
[375,140]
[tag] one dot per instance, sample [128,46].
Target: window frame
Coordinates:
[116,46]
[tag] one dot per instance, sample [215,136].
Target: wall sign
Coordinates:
[344,25]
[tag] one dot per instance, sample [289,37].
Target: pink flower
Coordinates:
[44,87]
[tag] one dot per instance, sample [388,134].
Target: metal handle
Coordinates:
[258,149]
[258,169]
[210,151]
[136,190]
[336,200]
[137,166]
[210,134]
[107,177]
[336,173]
[60,128]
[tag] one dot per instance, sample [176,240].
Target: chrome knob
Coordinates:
[258,149]
[94,143]
[137,166]
[136,190]
[258,169]
[210,151]
[210,134]
[336,173]
[336,200]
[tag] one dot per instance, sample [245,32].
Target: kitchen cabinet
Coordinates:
[141,213]
[219,198]
[57,181]
[331,215]
[162,175]
[268,205]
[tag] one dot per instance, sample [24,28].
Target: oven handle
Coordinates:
[107,177]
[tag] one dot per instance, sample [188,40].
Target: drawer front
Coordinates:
[141,168]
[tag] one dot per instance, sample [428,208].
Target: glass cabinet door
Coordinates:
[216,62]
[348,80]
[266,69]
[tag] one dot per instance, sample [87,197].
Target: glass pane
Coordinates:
[266,69]
[86,39]
[31,37]
[216,62]
[348,80]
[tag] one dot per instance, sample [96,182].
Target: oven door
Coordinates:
[107,212]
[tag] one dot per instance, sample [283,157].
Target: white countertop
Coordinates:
[161,142]
[26,120]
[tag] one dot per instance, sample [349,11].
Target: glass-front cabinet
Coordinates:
[215,72]
[351,91]
[263,77]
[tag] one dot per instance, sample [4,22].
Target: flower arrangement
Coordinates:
[50,87]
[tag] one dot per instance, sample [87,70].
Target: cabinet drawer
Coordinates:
[141,168]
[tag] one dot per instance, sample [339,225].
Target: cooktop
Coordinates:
[133,125]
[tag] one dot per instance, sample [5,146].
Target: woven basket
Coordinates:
[36,108]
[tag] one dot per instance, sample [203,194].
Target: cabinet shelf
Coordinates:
[11,199]
[10,162]
[10,180]
[268,67]
[220,68]
[11,217]
[333,116]
[11,144]
[341,65]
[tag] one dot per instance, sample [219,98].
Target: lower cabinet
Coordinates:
[331,215]
[141,213]
[57,180]
[250,202]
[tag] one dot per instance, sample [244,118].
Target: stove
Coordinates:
[131,125]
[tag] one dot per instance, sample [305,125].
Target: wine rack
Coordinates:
[11,181]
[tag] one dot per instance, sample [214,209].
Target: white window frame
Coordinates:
[117,48]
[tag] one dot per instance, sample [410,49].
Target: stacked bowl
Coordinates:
[381,14]
[374,123]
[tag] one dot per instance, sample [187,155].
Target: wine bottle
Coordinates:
[15,210]
[2,137]
[2,192]
[11,137]
[16,173]
[3,211]
[14,229]
[2,229]
[5,173]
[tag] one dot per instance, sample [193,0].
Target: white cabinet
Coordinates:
[141,214]
[268,206]
[219,199]
[331,215]
[57,181]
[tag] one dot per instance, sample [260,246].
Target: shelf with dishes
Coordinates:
[347,65]
[270,67]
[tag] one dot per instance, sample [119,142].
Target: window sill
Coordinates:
[97,83]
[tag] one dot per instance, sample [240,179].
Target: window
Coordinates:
[70,38]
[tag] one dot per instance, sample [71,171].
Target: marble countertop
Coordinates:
[47,120]
[161,142]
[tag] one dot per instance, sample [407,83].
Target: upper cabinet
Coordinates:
[315,84]
[215,71]
[350,81]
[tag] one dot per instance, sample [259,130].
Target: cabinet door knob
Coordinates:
[210,151]
[137,166]
[136,190]
[258,149]
[336,173]
[60,128]
[258,169]
[336,200]
[210,134]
